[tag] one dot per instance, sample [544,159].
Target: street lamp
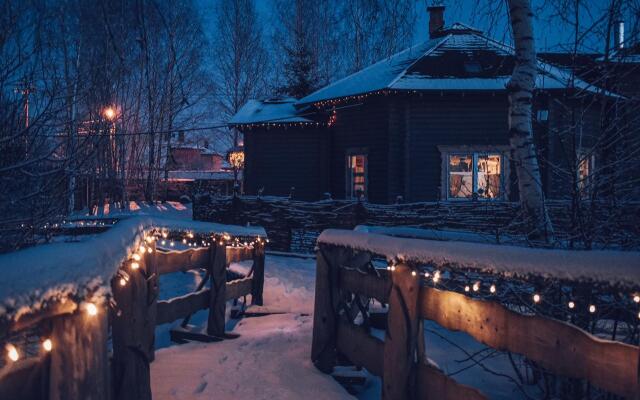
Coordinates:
[109,113]
[236,159]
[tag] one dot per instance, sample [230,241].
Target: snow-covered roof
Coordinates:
[463,59]
[265,111]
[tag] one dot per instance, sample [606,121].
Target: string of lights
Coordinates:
[167,239]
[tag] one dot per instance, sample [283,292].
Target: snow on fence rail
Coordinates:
[68,295]
[345,279]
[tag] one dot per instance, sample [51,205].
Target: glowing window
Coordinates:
[357,176]
[475,175]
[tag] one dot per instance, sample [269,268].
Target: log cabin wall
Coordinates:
[278,159]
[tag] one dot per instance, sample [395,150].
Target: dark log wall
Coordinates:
[452,119]
[362,128]
[278,159]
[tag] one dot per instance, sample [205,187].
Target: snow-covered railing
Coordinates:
[67,295]
[412,284]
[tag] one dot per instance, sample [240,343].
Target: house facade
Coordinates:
[429,123]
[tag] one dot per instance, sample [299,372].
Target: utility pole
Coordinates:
[25,88]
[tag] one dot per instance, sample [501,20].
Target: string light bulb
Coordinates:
[393,268]
[123,282]
[592,308]
[536,298]
[135,265]
[149,250]
[92,310]
[12,352]
[184,241]
[467,288]
[636,298]
[413,273]
[476,286]
[426,274]
[136,257]
[436,276]
[172,244]
[142,249]
[492,288]
[572,305]
[47,345]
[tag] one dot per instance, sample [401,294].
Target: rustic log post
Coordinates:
[325,314]
[79,366]
[400,344]
[257,282]
[133,328]
[217,302]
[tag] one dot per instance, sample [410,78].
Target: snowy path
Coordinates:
[271,358]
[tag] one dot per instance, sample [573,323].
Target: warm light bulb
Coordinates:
[149,250]
[426,274]
[142,249]
[135,265]
[636,298]
[476,286]
[163,242]
[536,298]
[12,352]
[92,309]
[492,288]
[47,345]
[413,273]
[123,281]
[172,244]
[136,257]
[190,235]
[466,288]
[184,241]
[592,308]
[572,305]
[436,276]
[164,235]
[149,239]
[393,268]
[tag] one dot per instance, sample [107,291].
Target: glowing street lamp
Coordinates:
[236,159]
[109,113]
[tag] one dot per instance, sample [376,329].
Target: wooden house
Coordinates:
[428,123]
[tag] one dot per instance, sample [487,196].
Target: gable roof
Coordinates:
[462,59]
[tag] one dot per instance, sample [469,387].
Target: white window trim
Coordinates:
[447,150]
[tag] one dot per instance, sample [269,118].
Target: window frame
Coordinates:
[349,195]
[476,152]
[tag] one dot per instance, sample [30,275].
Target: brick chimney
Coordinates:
[436,20]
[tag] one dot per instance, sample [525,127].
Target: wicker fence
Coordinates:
[294,225]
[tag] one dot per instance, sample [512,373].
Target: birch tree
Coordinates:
[520,91]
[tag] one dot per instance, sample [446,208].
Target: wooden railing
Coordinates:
[345,277]
[79,367]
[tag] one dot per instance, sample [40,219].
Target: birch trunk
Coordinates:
[520,91]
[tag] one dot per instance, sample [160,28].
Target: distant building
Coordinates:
[428,123]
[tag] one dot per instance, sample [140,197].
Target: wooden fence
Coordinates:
[79,366]
[345,281]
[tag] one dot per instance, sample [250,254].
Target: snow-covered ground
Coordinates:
[171,209]
[271,359]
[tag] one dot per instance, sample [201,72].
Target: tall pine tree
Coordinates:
[300,67]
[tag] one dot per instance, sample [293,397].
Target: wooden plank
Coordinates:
[366,284]
[217,300]
[434,384]
[401,338]
[360,347]
[323,345]
[27,320]
[25,379]
[238,288]
[258,275]
[79,366]
[555,345]
[132,330]
[237,254]
[179,307]
[175,261]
